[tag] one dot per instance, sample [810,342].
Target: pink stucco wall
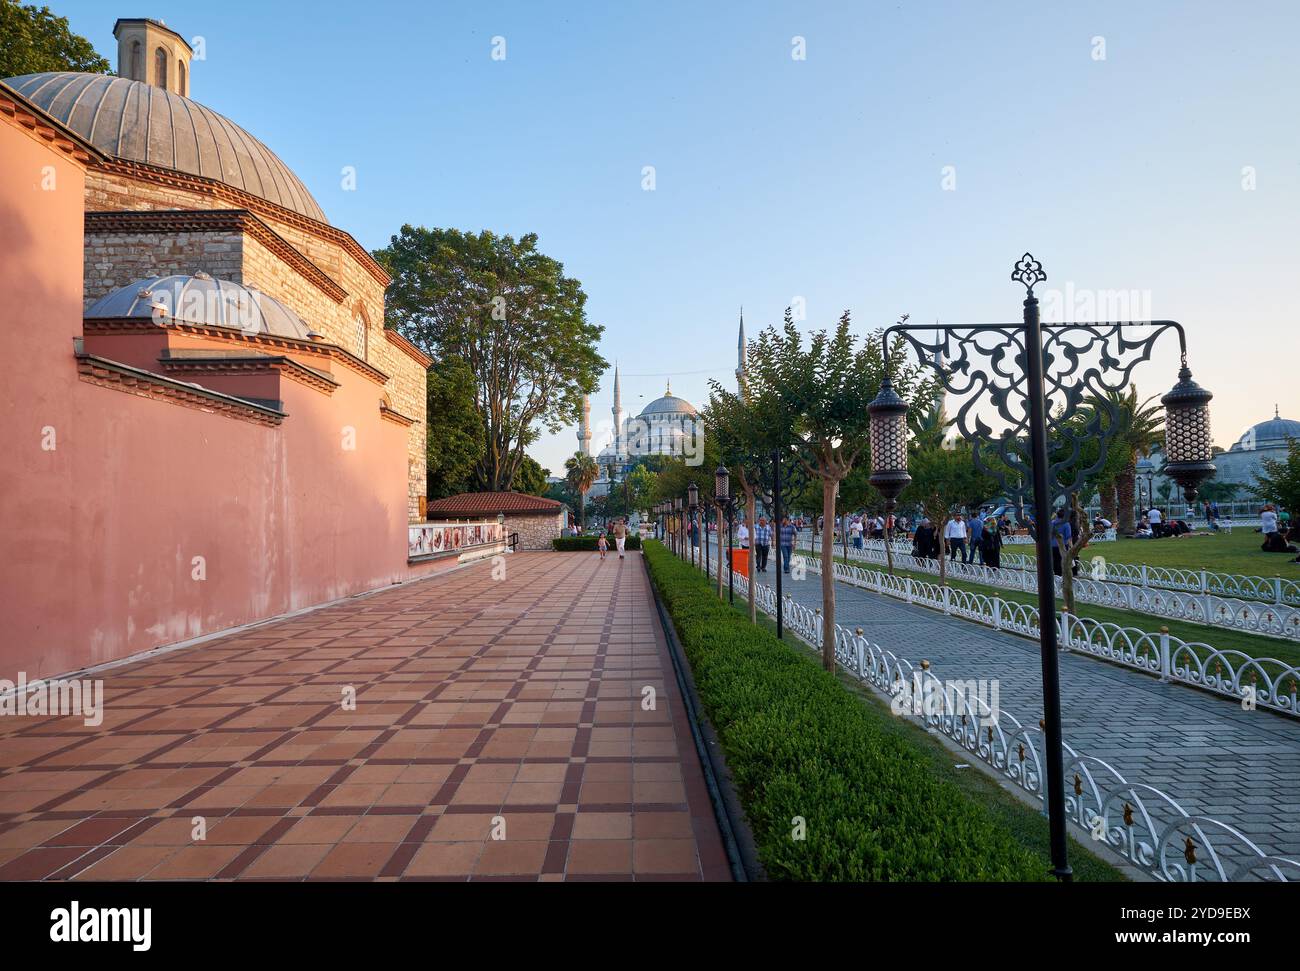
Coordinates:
[100,533]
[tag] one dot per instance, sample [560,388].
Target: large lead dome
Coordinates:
[140,122]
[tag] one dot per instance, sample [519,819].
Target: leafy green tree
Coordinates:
[513,316]
[944,481]
[531,477]
[455,438]
[581,471]
[631,493]
[1279,482]
[33,39]
[818,394]
[736,422]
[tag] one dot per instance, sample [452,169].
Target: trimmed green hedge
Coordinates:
[578,544]
[799,745]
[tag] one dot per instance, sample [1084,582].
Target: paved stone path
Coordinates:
[1205,751]
[478,701]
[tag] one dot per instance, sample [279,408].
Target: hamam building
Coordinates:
[203,419]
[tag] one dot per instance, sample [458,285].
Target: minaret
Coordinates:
[618,415]
[740,353]
[941,393]
[584,426]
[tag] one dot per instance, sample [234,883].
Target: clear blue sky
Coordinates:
[821,178]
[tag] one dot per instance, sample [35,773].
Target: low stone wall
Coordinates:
[535,532]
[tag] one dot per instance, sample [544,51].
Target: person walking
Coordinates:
[742,535]
[1062,536]
[762,544]
[991,545]
[976,538]
[602,544]
[620,536]
[786,538]
[1156,518]
[955,533]
[923,540]
[855,533]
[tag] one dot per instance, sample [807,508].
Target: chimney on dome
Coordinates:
[150,51]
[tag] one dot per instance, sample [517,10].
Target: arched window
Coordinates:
[160,67]
[137,62]
[359,323]
[180,79]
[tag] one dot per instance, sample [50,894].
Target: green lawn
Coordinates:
[1217,552]
[1218,637]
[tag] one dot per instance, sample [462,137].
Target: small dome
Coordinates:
[140,122]
[200,299]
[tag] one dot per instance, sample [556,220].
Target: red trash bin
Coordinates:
[740,561]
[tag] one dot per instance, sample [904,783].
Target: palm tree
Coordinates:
[930,424]
[580,471]
[1138,428]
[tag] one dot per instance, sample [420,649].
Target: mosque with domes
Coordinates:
[669,425]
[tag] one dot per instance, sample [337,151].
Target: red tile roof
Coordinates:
[470,504]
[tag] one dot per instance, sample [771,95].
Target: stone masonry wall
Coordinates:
[115,259]
[535,532]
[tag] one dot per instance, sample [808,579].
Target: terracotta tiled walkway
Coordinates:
[484,708]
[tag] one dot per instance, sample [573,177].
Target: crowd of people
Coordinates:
[979,538]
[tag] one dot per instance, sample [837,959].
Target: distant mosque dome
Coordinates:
[1268,439]
[669,406]
[1272,431]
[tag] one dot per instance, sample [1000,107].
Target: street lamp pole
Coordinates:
[1046,591]
[722,493]
[678,531]
[776,528]
[693,501]
[1024,401]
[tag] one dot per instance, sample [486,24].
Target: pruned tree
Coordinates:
[1080,536]
[945,480]
[819,390]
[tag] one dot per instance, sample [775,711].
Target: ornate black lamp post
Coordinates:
[722,494]
[776,533]
[677,525]
[1030,379]
[693,502]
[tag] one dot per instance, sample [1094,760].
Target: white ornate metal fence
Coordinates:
[1268,682]
[1142,824]
[1107,586]
[1274,590]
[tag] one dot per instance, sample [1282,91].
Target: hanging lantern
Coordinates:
[722,485]
[1189,447]
[888,443]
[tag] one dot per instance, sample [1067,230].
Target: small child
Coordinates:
[603,545]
